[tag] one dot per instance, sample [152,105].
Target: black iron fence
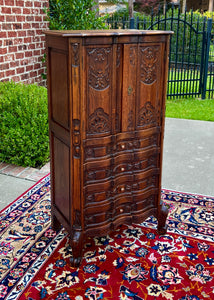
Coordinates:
[191,60]
[210,70]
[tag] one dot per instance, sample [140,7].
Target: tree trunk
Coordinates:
[210,5]
[184,6]
[131,8]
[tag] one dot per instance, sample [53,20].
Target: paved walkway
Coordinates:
[27,173]
[188,162]
[15,180]
[188,159]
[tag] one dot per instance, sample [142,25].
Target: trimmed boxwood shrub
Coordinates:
[24,138]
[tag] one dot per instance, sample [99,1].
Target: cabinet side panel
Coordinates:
[61,177]
[59,88]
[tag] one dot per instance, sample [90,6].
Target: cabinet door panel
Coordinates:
[99,90]
[149,85]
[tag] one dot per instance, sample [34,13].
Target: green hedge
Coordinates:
[24,138]
[73,14]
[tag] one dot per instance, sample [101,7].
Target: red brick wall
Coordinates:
[22,43]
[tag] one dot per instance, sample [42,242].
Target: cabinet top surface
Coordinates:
[105,32]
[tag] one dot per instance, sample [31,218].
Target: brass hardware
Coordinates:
[130,90]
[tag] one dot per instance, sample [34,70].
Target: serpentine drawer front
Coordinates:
[107,94]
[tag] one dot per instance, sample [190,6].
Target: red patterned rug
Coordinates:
[133,263]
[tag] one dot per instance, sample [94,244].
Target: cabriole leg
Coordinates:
[77,246]
[162,215]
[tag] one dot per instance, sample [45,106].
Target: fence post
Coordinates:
[206,59]
[131,25]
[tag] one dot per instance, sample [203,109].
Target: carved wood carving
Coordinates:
[99,122]
[148,64]
[147,115]
[99,68]
[76,138]
[75,55]
[89,152]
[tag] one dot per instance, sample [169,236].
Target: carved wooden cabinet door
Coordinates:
[107,94]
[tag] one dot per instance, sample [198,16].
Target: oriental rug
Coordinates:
[133,263]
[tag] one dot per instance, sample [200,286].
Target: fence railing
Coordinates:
[210,70]
[191,60]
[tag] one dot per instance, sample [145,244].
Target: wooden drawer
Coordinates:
[144,183]
[103,169]
[123,184]
[122,209]
[142,203]
[98,170]
[96,215]
[98,192]
[97,148]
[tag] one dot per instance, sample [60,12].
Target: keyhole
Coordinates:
[130,90]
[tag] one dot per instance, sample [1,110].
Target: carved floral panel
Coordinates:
[149,64]
[99,122]
[147,115]
[99,68]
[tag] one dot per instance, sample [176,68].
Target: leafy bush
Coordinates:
[73,14]
[24,124]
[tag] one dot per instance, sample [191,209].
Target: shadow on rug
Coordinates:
[132,263]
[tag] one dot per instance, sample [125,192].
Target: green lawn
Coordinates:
[183,82]
[194,109]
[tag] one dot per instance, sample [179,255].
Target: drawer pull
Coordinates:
[122,189]
[122,169]
[121,210]
[123,146]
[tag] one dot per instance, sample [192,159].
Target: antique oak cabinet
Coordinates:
[107,94]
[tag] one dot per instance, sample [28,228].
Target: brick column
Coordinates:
[22,43]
